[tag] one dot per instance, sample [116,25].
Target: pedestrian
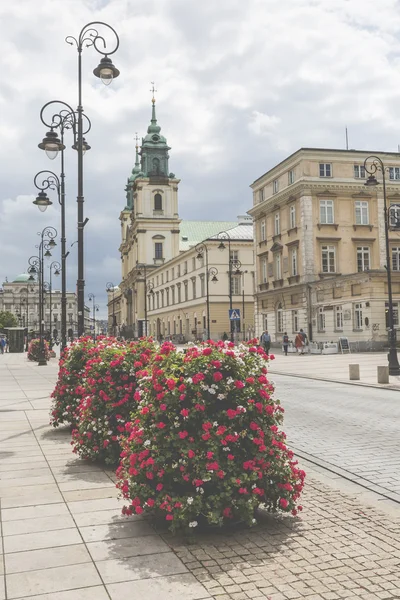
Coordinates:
[305,338]
[285,342]
[7,345]
[299,343]
[265,341]
[2,345]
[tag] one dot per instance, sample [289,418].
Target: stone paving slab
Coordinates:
[59,545]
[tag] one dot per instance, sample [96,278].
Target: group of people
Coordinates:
[300,342]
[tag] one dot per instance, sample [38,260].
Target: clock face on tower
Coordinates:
[155,138]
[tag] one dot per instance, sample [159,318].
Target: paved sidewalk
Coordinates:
[334,367]
[64,537]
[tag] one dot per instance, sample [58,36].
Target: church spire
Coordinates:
[153,127]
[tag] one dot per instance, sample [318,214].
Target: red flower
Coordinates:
[171,384]
[169,518]
[243,490]
[210,454]
[231,413]
[200,407]
[218,376]
[150,502]
[198,482]
[191,454]
[184,412]
[239,385]
[183,434]
[206,426]
[138,510]
[159,487]
[160,425]
[207,351]
[283,503]
[227,512]
[213,466]
[163,407]
[216,363]
[206,436]
[231,457]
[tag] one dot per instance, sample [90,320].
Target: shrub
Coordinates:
[34,350]
[109,381]
[205,444]
[68,390]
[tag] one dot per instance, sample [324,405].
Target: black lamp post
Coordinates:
[65,119]
[36,263]
[211,272]
[150,292]
[110,287]
[233,268]
[54,268]
[106,71]
[142,267]
[92,298]
[371,169]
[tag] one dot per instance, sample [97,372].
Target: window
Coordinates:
[290,176]
[234,256]
[158,202]
[185,267]
[293,261]
[328,255]
[167,296]
[194,288]
[179,294]
[158,299]
[263,237]
[338,318]
[326,211]
[394,172]
[325,170]
[261,195]
[193,263]
[162,298]
[166,276]
[394,216]
[359,171]
[202,285]
[178,268]
[173,273]
[396,259]
[236,287]
[363,259]
[358,318]
[275,186]
[158,281]
[292,216]
[279,318]
[277,224]
[158,250]
[278,266]
[185,283]
[362,216]
[264,270]
[321,319]
[395,314]
[162,278]
[295,321]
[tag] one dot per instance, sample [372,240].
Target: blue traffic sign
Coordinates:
[234,314]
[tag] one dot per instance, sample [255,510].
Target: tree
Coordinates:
[7,319]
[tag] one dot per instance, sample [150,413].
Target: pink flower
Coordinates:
[283,503]
[159,487]
[184,412]
[210,454]
[183,434]
[231,457]
[138,510]
[150,502]
[207,351]
[163,407]
[191,454]
[218,376]
[227,512]
[169,518]
[160,425]
[239,385]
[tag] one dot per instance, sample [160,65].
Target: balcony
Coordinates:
[277,283]
[159,261]
[293,279]
[263,286]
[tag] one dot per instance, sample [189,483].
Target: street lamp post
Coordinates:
[106,71]
[36,263]
[110,287]
[371,169]
[142,267]
[212,272]
[149,292]
[54,268]
[234,266]
[92,298]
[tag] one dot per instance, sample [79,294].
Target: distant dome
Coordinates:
[23,278]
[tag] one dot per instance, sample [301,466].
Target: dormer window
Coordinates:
[155,138]
[158,202]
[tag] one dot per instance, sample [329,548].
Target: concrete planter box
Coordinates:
[330,348]
[314,348]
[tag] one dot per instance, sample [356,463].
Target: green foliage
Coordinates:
[7,319]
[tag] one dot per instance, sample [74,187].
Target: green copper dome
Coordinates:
[23,278]
[154,150]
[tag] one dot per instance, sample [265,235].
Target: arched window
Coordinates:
[158,202]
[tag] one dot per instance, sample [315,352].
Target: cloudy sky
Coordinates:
[241,84]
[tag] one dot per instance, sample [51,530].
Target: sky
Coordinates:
[240,85]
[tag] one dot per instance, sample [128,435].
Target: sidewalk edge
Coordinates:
[391,387]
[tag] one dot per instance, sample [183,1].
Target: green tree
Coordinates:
[7,319]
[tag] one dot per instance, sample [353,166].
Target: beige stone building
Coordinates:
[320,248]
[163,290]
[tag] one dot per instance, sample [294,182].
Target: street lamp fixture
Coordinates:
[371,168]
[85,146]
[88,36]
[211,273]
[51,144]
[110,288]
[233,264]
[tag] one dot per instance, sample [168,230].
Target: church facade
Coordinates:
[176,279]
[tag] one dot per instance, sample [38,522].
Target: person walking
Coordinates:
[7,345]
[265,342]
[285,342]
[305,339]
[299,343]
[2,345]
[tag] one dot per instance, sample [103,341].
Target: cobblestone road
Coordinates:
[354,428]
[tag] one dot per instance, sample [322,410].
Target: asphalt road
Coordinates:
[352,428]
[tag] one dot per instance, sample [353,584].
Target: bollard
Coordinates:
[354,372]
[383,374]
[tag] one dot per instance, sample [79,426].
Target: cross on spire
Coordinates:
[153,90]
[137,139]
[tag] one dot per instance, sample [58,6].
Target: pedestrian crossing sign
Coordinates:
[234,314]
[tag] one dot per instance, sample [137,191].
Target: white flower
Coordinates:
[215,424]
[211,391]
[189,500]
[193,524]
[226,449]
[147,443]
[253,521]
[221,396]
[229,380]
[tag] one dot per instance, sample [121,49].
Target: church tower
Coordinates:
[149,223]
